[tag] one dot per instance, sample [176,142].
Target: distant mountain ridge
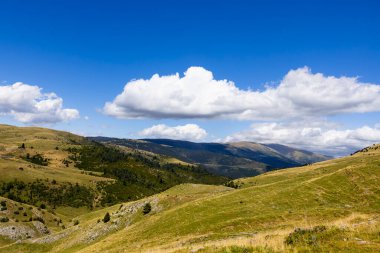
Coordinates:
[235,159]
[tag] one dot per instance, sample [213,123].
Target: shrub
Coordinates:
[3,203]
[147,208]
[37,159]
[232,184]
[40,219]
[76,222]
[304,236]
[107,217]
[42,206]
[16,212]
[4,219]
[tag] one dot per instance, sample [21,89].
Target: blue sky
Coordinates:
[87,51]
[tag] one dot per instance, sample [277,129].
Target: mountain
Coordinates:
[298,155]
[50,176]
[330,206]
[235,160]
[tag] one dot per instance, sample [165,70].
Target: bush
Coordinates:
[3,203]
[40,219]
[43,206]
[37,159]
[4,219]
[147,208]
[305,236]
[232,184]
[107,217]
[76,222]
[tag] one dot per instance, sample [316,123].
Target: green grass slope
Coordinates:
[331,206]
[326,193]
[28,154]
[91,228]
[50,144]
[68,175]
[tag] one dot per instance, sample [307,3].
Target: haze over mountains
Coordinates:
[235,159]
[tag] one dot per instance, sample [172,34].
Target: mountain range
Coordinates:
[235,159]
[61,192]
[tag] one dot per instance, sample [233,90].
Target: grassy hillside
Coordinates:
[68,175]
[50,144]
[238,159]
[330,206]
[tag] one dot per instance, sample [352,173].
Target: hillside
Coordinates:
[66,175]
[331,206]
[237,159]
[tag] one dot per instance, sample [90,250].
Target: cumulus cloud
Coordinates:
[323,138]
[27,104]
[184,132]
[198,94]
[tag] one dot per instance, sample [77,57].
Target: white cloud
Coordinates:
[27,104]
[198,95]
[321,138]
[184,132]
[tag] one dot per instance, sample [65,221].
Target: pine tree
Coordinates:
[147,208]
[107,218]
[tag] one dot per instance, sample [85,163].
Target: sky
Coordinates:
[299,73]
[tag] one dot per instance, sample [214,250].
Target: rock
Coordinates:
[17,232]
[41,227]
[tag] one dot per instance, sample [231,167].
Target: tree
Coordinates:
[22,146]
[107,218]
[147,208]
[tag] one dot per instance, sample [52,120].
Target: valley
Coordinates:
[118,198]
